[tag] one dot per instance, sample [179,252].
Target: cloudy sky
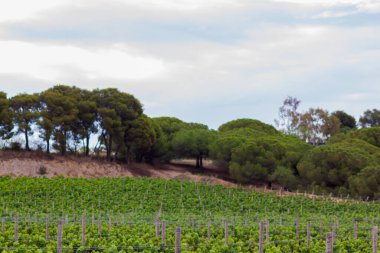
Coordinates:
[205,61]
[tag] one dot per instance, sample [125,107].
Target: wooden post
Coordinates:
[16,227]
[2,225]
[109,224]
[267,231]
[261,238]
[163,234]
[355,230]
[100,227]
[28,220]
[308,233]
[374,239]
[47,227]
[59,237]
[329,243]
[226,232]
[297,228]
[209,230]
[83,229]
[178,240]
[157,227]
[320,225]
[333,232]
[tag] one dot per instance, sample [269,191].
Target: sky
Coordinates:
[202,61]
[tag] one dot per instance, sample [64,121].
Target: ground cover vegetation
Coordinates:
[141,215]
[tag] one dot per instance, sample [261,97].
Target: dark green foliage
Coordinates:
[116,110]
[370,118]
[60,103]
[366,182]
[192,143]
[170,125]
[221,148]
[370,135]
[285,177]
[257,158]
[248,123]
[140,137]
[85,124]
[254,151]
[332,165]
[347,121]
[24,109]
[6,122]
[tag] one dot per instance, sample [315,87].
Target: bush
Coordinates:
[366,183]
[15,146]
[285,177]
[42,170]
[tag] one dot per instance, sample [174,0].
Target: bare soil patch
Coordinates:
[19,164]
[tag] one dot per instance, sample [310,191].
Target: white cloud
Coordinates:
[182,5]
[49,62]
[16,10]
[179,55]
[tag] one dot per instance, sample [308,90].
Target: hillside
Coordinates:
[19,164]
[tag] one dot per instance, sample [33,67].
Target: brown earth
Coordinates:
[21,163]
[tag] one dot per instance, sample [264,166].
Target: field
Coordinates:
[141,215]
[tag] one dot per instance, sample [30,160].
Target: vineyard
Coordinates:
[151,215]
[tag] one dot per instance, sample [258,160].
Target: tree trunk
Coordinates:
[63,143]
[201,162]
[48,146]
[26,140]
[117,152]
[87,144]
[197,165]
[109,147]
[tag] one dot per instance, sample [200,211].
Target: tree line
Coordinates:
[312,149]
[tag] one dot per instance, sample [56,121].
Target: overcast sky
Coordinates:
[203,61]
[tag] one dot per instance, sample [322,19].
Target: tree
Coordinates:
[24,110]
[192,143]
[85,125]
[115,110]
[225,142]
[248,123]
[140,138]
[347,122]
[170,125]
[366,183]
[59,110]
[370,118]
[370,135]
[331,165]
[289,117]
[257,159]
[45,123]
[316,125]
[6,123]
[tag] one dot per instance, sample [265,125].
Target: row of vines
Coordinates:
[142,215]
